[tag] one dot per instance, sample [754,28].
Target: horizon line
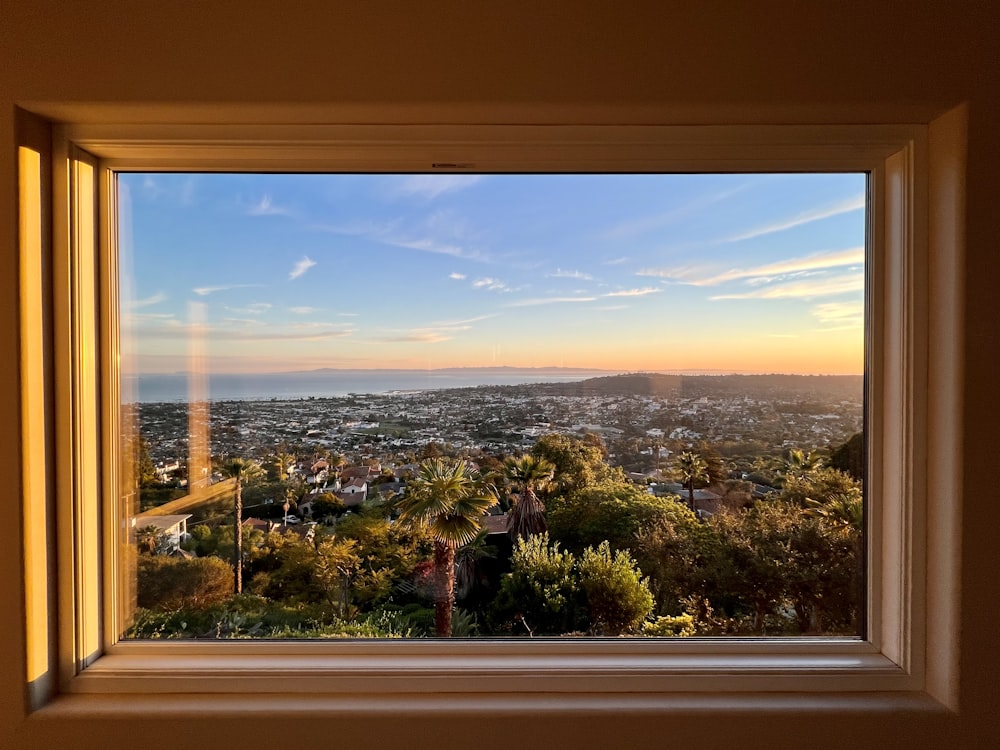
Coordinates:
[467,368]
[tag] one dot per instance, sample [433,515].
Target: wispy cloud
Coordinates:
[150,187]
[462,324]
[242,321]
[140,317]
[367,228]
[431,334]
[824,212]
[303,310]
[204,291]
[561,274]
[442,233]
[430,186]
[318,325]
[616,261]
[582,297]
[414,337]
[634,292]
[430,245]
[457,276]
[711,276]
[533,302]
[840,314]
[232,329]
[806,288]
[255,308]
[645,224]
[266,207]
[155,299]
[182,192]
[493,285]
[301,267]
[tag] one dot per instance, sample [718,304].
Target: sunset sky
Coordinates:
[742,273]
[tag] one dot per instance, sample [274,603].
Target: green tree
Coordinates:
[608,511]
[432,450]
[283,569]
[336,560]
[801,463]
[243,471]
[850,457]
[201,540]
[821,486]
[527,475]
[715,467]
[842,511]
[327,506]
[824,580]
[681,557]
[451,502]
[691,468]
[618,597]
[145,470]
[756,546]
[281,464]
[786,556]
[389,554]
[539,595]
[578,462]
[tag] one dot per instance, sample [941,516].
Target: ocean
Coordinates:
[330,383]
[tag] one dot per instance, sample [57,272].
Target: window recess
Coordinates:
[894,655]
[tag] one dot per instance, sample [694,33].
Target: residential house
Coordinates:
[353,492]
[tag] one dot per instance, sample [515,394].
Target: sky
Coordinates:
[664,273]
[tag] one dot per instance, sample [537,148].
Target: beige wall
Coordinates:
[552,60]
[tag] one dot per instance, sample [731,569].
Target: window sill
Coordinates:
[578,669]
[494,703]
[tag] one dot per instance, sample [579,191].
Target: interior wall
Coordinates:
[516,61]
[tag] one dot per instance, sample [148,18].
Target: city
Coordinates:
[324,485]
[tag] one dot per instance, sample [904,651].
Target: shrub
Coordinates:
[172,583]
[681,626]
[618,597]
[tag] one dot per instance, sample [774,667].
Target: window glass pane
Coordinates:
[493,405]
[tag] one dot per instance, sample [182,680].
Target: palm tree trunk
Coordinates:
[527,517]
[444,600]
[691,495]
[238,539]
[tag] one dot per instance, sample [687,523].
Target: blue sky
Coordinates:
[746,273]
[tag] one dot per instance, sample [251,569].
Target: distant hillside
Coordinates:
[631,384]
[832,387]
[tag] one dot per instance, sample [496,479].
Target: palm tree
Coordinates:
[283,462]
[242,471]
[451,502]
[528,474]
[843,511]
[692,469]
[799,463]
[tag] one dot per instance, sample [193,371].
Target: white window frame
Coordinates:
[909,654]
